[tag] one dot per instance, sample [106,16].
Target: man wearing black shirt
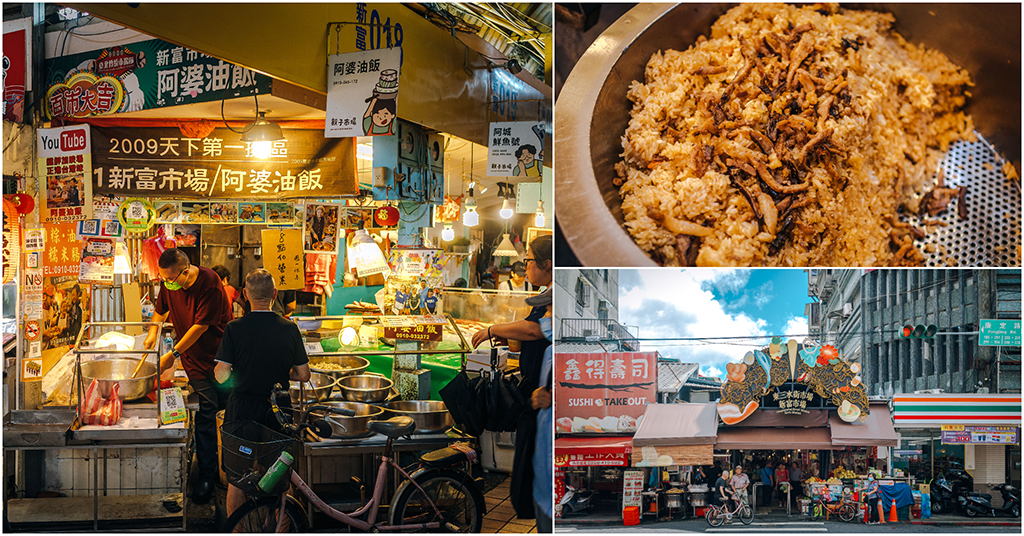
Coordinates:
[259,350]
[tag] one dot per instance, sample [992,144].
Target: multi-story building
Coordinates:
[587,311]
[835,317]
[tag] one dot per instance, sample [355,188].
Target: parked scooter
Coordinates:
[980,504]
[575,503]
[944,500]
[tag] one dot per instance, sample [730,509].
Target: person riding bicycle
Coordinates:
[724,493]
[258,351]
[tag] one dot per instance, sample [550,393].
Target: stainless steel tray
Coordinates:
[160,433]
[37,428]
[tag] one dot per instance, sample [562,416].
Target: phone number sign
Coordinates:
[992,435]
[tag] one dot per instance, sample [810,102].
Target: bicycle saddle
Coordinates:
[394,427]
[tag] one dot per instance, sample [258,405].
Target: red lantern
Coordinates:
[22,203]
[386,216]
[12,240]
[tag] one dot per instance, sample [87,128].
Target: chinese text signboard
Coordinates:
[362,93]
[999,332]
[143,161]
[142,76]
[603,393]
[421,332]
[63,249]
[593,459]
[514,149]
[632,485]
[282,257]
[992,435]
[792,402]
[65,165]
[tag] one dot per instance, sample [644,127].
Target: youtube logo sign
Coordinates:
[63,141]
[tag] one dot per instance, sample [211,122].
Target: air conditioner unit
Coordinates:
[930,392]
[847,309]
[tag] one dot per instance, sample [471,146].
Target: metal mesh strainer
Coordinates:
[991,233]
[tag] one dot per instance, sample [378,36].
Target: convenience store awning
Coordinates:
[593,451]
[747,438]
[876,432]
[676,434]
[935,410]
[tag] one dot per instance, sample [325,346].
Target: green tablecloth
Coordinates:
[442,367]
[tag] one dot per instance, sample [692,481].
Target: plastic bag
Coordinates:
[152,248]
[98,410]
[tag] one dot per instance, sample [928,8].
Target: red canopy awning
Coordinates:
[593,451]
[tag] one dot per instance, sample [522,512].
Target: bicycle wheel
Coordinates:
[817,511]
[714,517]
[260,515]
[746,514]
[455,495]
[847,512]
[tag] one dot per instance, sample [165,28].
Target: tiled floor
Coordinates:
[501,517]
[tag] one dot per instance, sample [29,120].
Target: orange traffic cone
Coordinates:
[866,510]
[881,513]
[892,513]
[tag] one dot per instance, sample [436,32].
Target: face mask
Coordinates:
[545,327]
[171,285]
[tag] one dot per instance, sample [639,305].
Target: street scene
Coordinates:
[821,400]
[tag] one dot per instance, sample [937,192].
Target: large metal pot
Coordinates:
[349,427]
[349,365]
[431,416]
[318,388]
[593,111]
[673,500]
[365,388]
[119,371]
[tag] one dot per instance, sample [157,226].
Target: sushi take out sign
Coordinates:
[603,393]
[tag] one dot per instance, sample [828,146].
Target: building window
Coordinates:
[582,295]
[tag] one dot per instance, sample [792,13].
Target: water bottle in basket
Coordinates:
[276,471]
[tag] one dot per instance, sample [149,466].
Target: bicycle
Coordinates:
[434,494]
[718,515]
[822,508]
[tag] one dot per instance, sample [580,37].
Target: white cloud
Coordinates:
[763,294]
[796,326]
[670,303]
[712,371]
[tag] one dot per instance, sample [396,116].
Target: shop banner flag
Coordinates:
[62,252]
[65,168]
[362,93]
[149,162]
[282,257]
[12,241]
[16,70]
[143,76]
[603,393]
[515,149]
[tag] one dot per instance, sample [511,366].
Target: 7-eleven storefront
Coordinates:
[979,433]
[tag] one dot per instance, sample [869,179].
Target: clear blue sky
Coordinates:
[712,303]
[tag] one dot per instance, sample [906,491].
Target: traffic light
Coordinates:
[919,331]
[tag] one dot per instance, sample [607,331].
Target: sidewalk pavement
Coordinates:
[501,517]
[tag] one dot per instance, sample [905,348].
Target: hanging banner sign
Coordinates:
[139,162]
[515,149]
[953,434]
[65,168]
[603,393]
[62,250]
[16,43]
[362,93]
[142,76]
[282,257]
[12,241]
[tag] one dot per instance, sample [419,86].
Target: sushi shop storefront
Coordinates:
[600,401]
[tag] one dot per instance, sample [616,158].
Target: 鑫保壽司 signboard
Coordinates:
[992,435]
[515,149]
[362,93]
[146,162]
[143,76]
[603,393]
[999,332]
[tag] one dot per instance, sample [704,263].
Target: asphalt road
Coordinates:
[793,526]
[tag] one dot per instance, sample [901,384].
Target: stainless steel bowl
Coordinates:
[318,388]
[119,371]
[365,388]
[593,111]
[348,427]
[350,365]
[431,416]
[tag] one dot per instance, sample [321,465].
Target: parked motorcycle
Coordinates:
[980,504]
[943,498]
[575,503]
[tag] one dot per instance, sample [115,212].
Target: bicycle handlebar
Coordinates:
[282,419]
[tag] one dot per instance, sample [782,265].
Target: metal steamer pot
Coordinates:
[110,372]
[366,388]
[318,388]
[593,111]
[344,427]
[431,416]
[350,365]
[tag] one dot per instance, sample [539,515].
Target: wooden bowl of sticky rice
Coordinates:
[795,135]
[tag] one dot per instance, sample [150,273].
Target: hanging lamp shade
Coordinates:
[262,134]
[505,248]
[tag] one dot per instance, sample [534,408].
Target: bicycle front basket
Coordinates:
[248,449]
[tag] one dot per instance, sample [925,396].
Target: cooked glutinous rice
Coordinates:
[790,137]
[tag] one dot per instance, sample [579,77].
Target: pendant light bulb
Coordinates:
[539,220]
[261,135]
[448,234]
[506,209]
